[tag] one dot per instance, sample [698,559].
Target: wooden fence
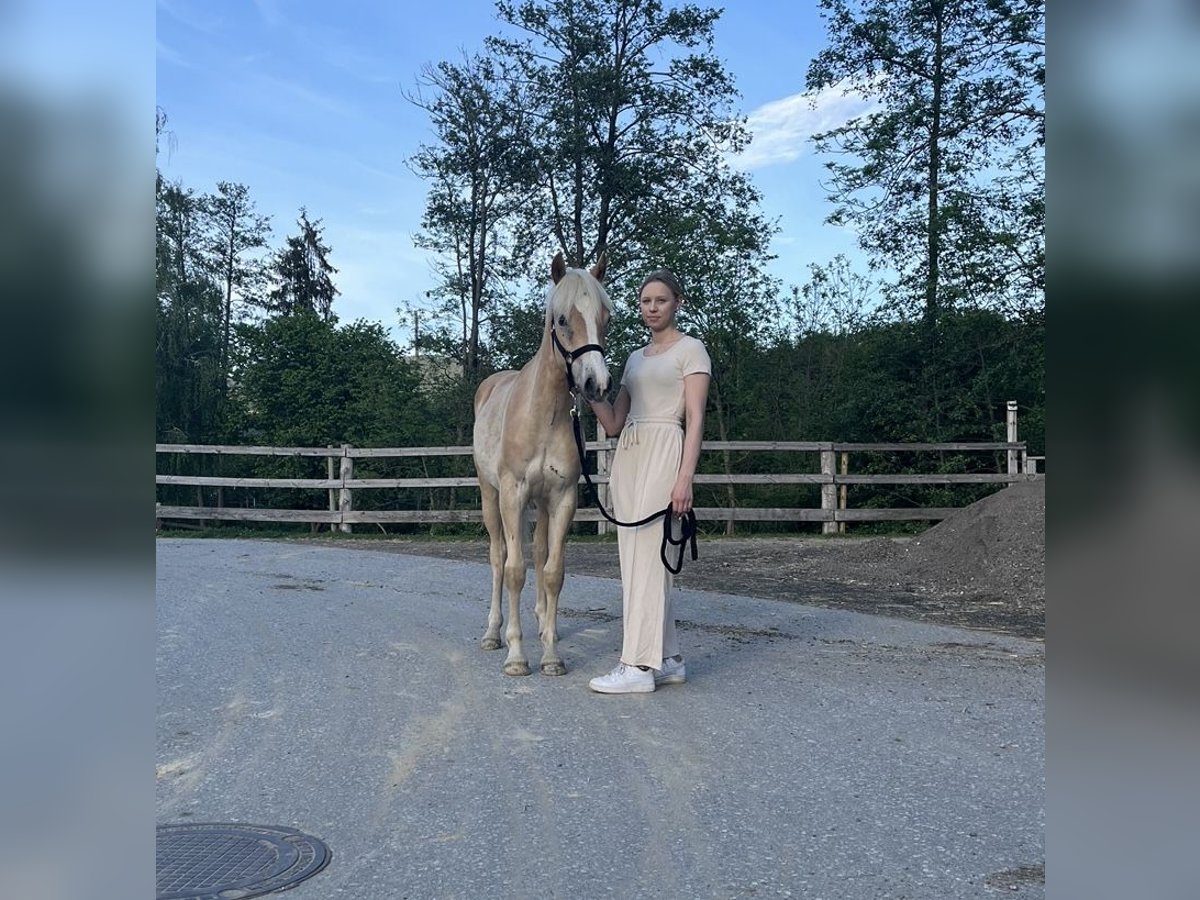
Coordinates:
[833,478]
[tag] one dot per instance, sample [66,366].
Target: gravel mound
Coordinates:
[995,547]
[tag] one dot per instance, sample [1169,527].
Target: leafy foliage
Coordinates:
[601,127]
[950,160]
[633,103]
[306,382]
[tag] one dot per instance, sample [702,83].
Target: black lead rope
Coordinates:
[687,524]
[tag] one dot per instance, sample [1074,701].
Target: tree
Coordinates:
[602,127]
[301,272]
[187,378]
[161,131]
[179,248]
[234,229]
[481,174]
[835,298]
[189,382]
[950,162]
[633,106]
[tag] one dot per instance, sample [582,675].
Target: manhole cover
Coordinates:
[206,861]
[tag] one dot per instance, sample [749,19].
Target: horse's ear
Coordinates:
[558,268]
[601,265]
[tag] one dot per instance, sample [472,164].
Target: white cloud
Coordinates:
[270,12]
[782,128]
[273,90]
[167,54]
[325,44]
[187,14]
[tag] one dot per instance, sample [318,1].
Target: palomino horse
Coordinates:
[525,455]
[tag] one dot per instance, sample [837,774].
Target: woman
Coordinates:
[659,415]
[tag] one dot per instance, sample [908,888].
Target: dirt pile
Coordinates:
[995,547]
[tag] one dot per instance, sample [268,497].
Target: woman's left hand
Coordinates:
[681,495]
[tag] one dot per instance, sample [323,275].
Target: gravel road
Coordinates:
[815,752]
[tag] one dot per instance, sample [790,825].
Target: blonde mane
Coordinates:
[578,289]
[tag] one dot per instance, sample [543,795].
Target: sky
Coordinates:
[302,102]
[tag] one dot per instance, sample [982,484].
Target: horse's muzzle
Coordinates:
[592,390]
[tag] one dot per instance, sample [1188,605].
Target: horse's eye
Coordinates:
[562,320]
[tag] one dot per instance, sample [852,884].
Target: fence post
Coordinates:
[333,494]
[601,469]
[829,491]
[345,501]
[220,489]
[1013,455]
[845,467]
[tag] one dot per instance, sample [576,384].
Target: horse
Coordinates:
[525,455]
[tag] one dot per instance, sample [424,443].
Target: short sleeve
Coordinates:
[694,359]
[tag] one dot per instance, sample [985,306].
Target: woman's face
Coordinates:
[658,306]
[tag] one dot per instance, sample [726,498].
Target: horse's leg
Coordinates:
[495,529]
[562,511]
[539,561]
[513,497]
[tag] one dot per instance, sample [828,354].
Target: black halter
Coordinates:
[571,355]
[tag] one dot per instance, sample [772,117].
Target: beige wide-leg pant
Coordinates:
[644,470]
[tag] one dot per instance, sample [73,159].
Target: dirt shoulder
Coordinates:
[865,575]
[983,567]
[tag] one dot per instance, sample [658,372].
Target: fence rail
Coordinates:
[832,479]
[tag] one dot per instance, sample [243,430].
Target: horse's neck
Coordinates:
[548,377]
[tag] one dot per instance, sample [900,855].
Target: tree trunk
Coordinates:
[225,325]
[933,269]
[478,267]
[934,237]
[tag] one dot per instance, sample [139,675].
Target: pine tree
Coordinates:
[301,272]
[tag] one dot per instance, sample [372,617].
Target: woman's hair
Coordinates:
[666,277]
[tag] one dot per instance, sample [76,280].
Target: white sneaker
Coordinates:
[672,672]
[624,680]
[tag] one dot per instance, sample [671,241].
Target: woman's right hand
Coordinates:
[612,415]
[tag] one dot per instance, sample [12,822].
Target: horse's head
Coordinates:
[577,314]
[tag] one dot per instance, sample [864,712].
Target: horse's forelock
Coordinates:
[578,289]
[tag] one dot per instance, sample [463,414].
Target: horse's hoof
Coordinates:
[554,668]
[516,668]
[490,643]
